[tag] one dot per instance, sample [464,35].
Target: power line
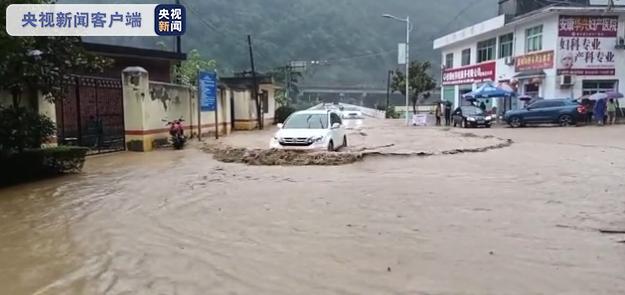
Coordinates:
[455,18]
[215,29]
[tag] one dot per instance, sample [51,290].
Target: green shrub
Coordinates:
[36,163]
[391,113]
[22,128]
[282,113]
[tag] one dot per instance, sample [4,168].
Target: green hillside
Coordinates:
[358,44]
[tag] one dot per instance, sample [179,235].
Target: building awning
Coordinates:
[530,75]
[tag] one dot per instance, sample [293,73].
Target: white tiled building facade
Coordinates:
[554,52]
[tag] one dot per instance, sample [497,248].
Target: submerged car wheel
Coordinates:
[515,122]
[330,146]
[565,120]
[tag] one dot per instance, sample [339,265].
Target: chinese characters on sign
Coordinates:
[170,20]
[586,45]
[470,74]
[95,20]
[208,91]
[77,19]
[534,61]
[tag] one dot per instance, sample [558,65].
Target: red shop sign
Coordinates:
[534,61]
[470,74]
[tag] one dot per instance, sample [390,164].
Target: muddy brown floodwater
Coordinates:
[518,220]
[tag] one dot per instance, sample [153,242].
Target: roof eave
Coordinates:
[532,16]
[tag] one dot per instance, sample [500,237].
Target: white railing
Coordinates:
[373,113]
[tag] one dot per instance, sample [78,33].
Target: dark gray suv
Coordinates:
[564,112]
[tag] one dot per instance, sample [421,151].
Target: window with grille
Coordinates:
[590,87]
[466,57]
[534,39]
[449,60]
[486,50]
[505,45]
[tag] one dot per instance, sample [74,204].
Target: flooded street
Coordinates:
[519,220]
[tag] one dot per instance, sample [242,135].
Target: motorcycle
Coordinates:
[176,131]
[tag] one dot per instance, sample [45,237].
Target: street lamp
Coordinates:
[407,21]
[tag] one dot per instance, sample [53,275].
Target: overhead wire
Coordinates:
[214,28]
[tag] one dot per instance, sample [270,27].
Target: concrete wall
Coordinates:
[147,103]
[245,108]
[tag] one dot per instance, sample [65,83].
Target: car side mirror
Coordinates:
[336,125]
[280,125]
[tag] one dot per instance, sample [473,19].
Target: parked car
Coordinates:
[311,130]
[564,112]
[351,113]
[471,116]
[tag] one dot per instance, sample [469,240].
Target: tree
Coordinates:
[420,81]
[289,79]
[32,65]
[189,68]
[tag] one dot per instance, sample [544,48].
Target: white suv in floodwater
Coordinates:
[311,130]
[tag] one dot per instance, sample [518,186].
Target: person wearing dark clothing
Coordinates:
[600,111]
[483,106]
[447,114]
[438,114]
[589,110]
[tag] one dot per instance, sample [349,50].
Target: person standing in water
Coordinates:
[447,113]
[438,114]
[599,111]
[611,108]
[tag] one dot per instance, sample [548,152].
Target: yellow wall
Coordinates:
[148,103]
[245,108]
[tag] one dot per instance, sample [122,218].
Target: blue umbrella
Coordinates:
[488,90]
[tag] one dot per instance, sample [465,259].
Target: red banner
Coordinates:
[534,61]
[470,74]
[587,26]
[586,45]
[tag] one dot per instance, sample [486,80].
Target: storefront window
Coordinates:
[505,45]
[590,87]
[466,57]
[486,50]
[464,89]
[531,90]
[449,93]
[534,39]
[449,60]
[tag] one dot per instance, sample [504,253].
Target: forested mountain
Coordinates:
[357,43]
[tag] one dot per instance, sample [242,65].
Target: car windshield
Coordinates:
[307,121]
[475,111]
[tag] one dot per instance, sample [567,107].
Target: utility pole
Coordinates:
[407,67]
[407,80]
[179,51]
[255,83]
[287,82]
[388,90]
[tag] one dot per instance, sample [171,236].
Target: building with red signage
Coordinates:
[548,52]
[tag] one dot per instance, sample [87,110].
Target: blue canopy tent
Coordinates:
[490,90]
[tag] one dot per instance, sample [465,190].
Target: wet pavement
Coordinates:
[519,220]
